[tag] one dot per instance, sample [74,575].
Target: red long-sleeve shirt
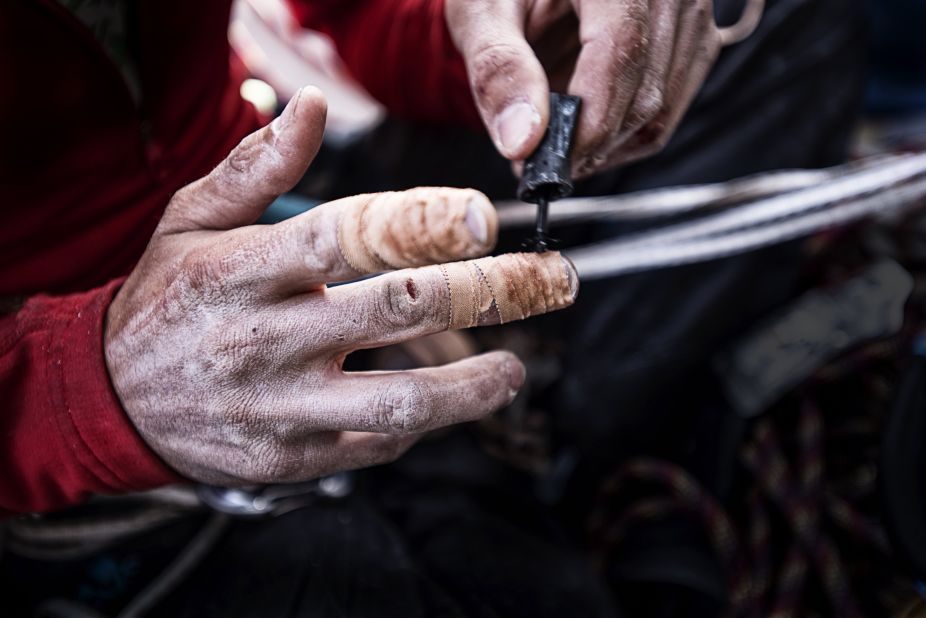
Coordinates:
[85,174]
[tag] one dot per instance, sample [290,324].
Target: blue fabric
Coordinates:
[286,206]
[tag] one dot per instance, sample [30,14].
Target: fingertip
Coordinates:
[517,130]
[572,277]
[481,220]
[311,100]
[509,367]
[308,107]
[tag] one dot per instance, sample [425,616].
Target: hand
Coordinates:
[225,346]
[636,64]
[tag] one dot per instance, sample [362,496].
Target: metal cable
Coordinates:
[842,188]
[661,203]
[674,201]
[622,257]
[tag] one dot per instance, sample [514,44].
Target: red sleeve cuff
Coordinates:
[103,438]
[65,435]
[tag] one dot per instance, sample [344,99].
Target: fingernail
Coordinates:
[476,222]
[516,375]
[572,277]
[280,122]
[514,126]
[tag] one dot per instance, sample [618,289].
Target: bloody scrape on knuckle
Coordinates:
[396,303]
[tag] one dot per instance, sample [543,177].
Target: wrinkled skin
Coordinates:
[636,64]
[225,346]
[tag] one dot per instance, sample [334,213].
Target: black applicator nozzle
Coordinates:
[547,172]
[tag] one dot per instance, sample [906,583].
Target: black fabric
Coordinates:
[446,532]
[902,470]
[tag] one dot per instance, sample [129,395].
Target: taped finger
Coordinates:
[367,234]
[411,303]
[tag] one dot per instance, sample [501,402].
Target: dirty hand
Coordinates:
[225,346]
[636,64]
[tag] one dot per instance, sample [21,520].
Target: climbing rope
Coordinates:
[791,506]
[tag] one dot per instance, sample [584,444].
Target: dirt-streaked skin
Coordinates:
[636,64]
[226,347]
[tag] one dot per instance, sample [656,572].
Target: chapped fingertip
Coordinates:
[308,103]
[311,99]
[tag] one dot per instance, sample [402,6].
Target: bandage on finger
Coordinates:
[367,234]
[411,303]
[507,288]
[428,225]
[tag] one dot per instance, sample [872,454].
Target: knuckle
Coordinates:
[404,406]
[493,63]
[222,273]
[398,303]
[632,55]
[242,159]
[202,272]
[242,353]
[650,104]
[320,250]
[704,10]
[256,157]
[626,39]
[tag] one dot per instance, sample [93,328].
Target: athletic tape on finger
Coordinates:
[510,287]
[415,228]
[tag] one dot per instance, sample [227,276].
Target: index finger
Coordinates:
[366,234]
[610,67]
[508,83]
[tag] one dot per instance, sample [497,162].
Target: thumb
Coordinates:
[508,83]
[266,164]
